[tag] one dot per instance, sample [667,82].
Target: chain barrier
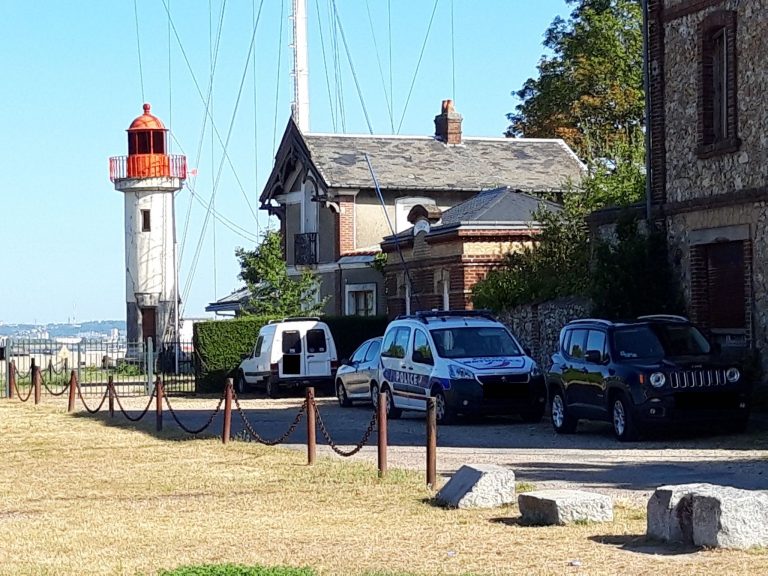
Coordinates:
[51,392]
[255,434]
[22,375]
[194,430]
[363,441]
[91,410]
[18,392]
[123,411]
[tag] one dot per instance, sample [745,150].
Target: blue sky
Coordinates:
[72,84]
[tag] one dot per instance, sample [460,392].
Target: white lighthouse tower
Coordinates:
[148,177]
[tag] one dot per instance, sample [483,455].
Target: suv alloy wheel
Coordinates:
[562,421]
[622,418]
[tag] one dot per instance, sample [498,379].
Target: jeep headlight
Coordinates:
[657,379]
[456,372]
[535,370]
[733,375]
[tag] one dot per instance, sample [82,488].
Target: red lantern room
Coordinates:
[147,152]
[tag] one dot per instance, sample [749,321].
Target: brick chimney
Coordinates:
[448,124]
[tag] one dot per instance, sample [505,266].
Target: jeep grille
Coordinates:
[697,378]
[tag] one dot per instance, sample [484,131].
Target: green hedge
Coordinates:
[219,344]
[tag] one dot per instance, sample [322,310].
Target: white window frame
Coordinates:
[349,310]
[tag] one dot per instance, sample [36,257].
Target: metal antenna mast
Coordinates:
[300,104]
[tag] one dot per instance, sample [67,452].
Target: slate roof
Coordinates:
[500,205]
[424,163]
[499,208]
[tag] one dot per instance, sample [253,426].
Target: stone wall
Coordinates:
[538,326]
[688,176]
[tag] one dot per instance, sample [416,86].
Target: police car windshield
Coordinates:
[474,342]
[655,341]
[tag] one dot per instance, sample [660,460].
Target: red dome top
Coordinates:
[147,121]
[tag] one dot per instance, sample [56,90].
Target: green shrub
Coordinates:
[236,570]
[219,346]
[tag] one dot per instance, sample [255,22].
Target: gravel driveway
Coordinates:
[590,459]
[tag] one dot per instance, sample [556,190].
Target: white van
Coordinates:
[290,353]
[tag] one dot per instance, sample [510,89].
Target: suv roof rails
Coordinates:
[296,319]
[592,321]
[424,315]
[674,317]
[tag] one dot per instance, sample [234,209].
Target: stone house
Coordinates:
[709,158]
[435,264]
[333,219]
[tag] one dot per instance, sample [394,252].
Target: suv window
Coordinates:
[291,342]
[596,342]
[577,343]
[316,340]
[373,351]
[396,342]
[360,353]
[422,347]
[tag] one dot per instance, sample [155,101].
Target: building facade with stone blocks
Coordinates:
[708,76]
[436,263]
[333,218]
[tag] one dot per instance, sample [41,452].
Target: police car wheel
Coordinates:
[443,413]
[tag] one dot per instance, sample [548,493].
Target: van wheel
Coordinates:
[393,413]
[272,389]
[562,421]
[623,418]
[443,414]
[242,385]
[341,395]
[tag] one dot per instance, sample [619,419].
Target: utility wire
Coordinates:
[277,79]
[391,92]
[138,49]
[213,143]
[325,64]
[255,123]
[352,68]
[226,222]
[196,257]
[418,64]
[381,70]
[391,228]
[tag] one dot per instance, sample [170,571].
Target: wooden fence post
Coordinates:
[72,391]
[36,382]
[311,427]
[159,405]
[12,380]
[382,426]
[226,428]
[431,442]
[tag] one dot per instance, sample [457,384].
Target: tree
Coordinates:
[589,92]
[273,292]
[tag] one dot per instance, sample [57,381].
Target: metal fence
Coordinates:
[133,366]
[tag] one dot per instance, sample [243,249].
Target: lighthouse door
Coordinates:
[148,324]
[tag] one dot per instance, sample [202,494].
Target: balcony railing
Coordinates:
[147,166]
[305,249]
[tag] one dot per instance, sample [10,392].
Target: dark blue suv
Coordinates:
[642,374]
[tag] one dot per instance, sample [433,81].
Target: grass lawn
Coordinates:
[82,495]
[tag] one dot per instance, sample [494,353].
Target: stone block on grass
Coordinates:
[709,515]
[479,486]
[552,507]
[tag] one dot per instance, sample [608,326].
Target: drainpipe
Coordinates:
[647,90]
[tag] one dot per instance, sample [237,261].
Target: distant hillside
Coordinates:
[90,329]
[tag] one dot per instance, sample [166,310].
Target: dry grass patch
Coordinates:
[83,496]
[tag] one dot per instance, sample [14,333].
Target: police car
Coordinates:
[467,360]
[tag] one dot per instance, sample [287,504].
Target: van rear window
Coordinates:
[291,342]
[316,341]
